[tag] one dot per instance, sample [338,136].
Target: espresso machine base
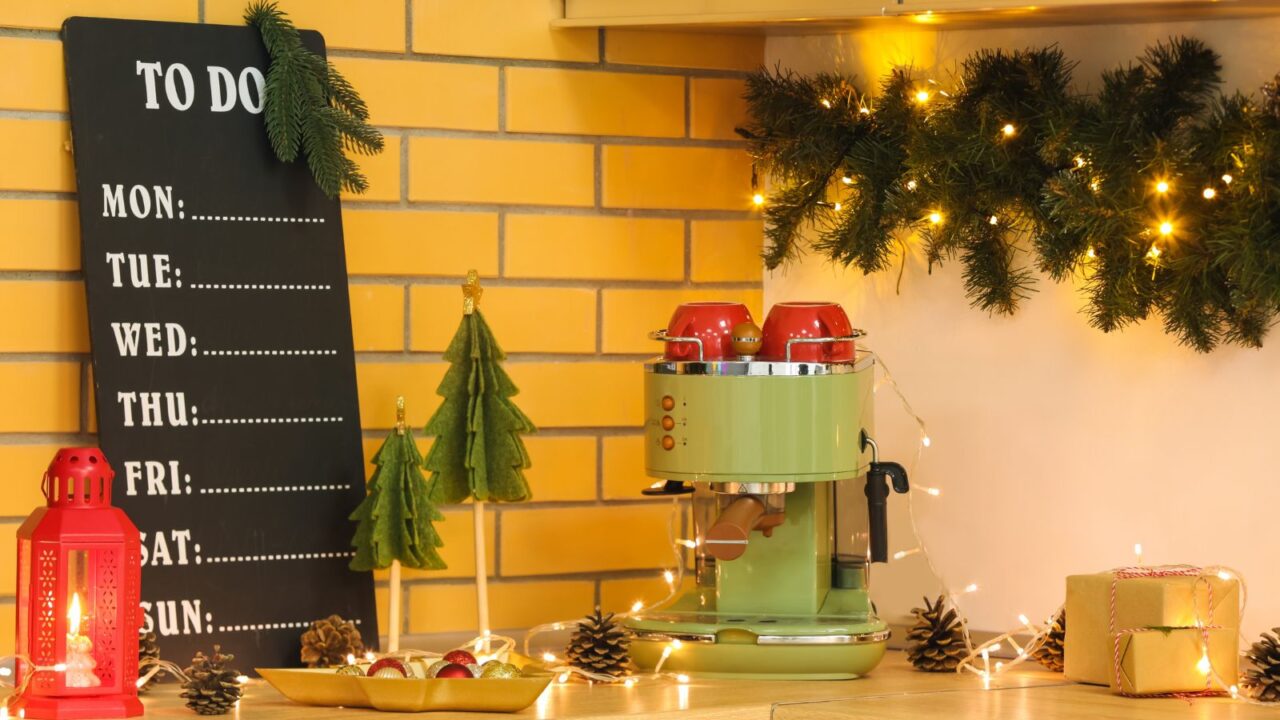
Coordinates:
[843,641]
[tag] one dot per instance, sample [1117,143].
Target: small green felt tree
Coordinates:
[478,452]
[395,518]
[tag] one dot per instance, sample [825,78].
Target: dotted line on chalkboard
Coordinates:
[268,352]
[270,626]
[281,488]
[289,556]
[256,218]
[256,286]
[264,421]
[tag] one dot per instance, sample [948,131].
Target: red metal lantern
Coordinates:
[79,584]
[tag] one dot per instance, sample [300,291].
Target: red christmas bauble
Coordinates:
[388,667]
[454,670]
[460,657]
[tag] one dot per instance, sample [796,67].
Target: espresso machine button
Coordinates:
[668,442]
[668,402]
[668,422]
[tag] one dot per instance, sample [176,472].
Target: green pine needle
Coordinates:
[309,107]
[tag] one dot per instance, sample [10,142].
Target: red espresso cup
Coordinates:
[799,320]
[710,322]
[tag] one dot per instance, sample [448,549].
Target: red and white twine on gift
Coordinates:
[1204,625]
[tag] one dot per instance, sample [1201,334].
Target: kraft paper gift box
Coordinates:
[1159,661]
[1149,602]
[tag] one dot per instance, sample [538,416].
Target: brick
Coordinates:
[56,321]
[457,530]
[49,14]
[583,102]
[579,394]
[623,468]
[377,317]
[39,235]
[727,251]
[719,51]
[40,397]
[564,468]
[8,621]
[643,176]
[405,93]
[629,315]
[380,383]
[499,28]
[22,467]
[370,25]
[40,84]
[438,608]
[36,156]
[619,595]
[401,242]
[716,107]
[584,539]
[8,558]
[500,171]
[559,320]
[382,171]
[582,247]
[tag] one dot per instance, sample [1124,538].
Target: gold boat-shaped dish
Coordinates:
[327,687]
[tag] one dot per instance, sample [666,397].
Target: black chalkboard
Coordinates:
[221,336]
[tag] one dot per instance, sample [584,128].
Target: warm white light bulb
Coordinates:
[926,441]
[826,103]
[846,180]
[993,220]
[1204,666]
[864,110]
[1166,228]
[1227,179]
[1162,187]
[1224,575]
[935,218]
[637,606]
[676,644]
[1090,253]
[971,588]
[548,657]
[912,184]
[669,576]
[1022,618]
[1080,162]
[757,199]
[922,96]
[1009,130]
[682,678]
[837,207]
[629,682]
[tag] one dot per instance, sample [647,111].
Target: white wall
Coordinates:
[1057,447]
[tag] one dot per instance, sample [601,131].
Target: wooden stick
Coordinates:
[482,575]
[393,615]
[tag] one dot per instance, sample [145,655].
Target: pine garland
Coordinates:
[1158,191]
[309,107]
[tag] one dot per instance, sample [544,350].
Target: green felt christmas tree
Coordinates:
[395,518]
[478,452]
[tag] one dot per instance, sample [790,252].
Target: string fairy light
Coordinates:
[1209,193]
[1009,130]
[1162,186]
[757,199]
[935,218]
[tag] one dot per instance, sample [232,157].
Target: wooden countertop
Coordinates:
[892,692]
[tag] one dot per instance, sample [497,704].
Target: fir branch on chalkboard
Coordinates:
[310,107]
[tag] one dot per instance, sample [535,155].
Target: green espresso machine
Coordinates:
[789,500]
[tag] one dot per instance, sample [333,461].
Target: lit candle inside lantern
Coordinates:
[80,662]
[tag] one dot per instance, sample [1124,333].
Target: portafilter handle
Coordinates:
[878,498]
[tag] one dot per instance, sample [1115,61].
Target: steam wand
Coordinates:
[878,497]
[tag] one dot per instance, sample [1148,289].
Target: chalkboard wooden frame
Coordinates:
[220,327]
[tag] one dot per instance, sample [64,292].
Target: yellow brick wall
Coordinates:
[592,178]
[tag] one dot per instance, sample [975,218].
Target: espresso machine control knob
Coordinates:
[881,475]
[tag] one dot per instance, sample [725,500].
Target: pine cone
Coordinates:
[328,642]
[936,641]
[148,649]
[1262,680]
[213,688]
[1050,652]
[600,645]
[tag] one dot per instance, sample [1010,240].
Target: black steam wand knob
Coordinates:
[878,498]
